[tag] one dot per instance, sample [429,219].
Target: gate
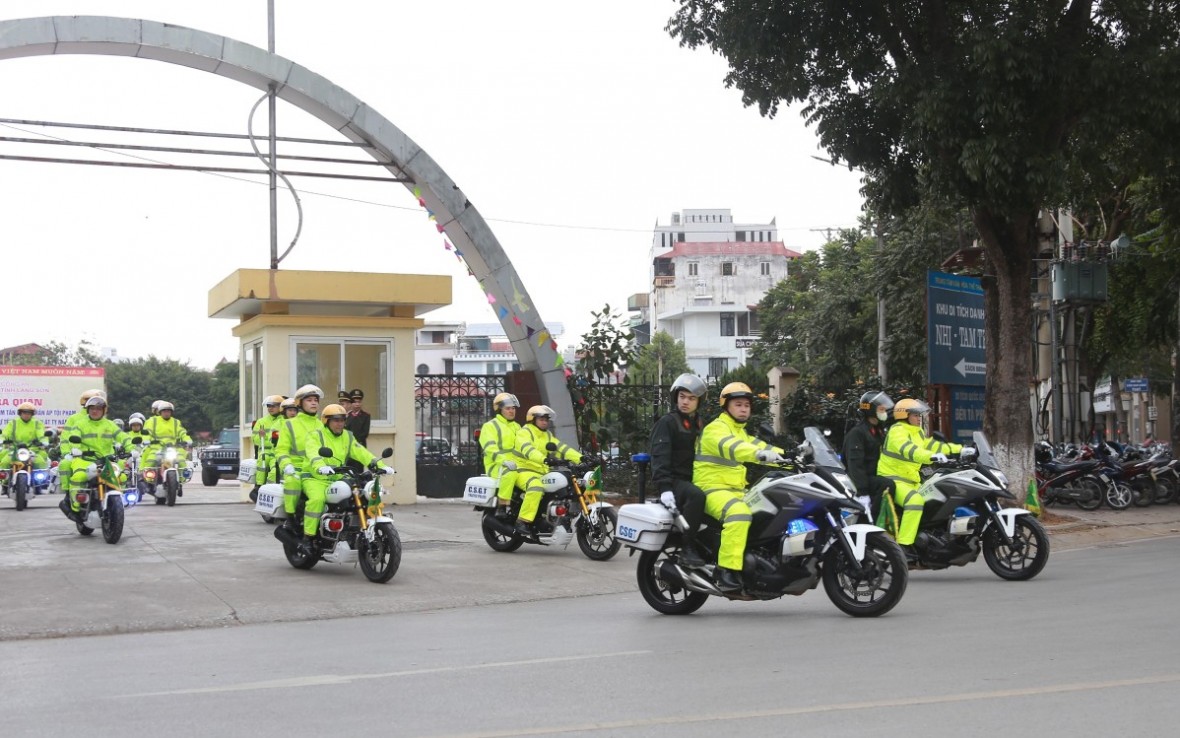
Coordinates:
[449,410]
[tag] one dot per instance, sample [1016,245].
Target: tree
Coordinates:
[134,385]
[606,348]
[658,362]
[56,353]
[223,395]
[992,105]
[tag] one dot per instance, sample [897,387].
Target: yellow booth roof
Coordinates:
[250,292]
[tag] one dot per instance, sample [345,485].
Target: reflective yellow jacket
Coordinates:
[497,438]
[292,448]
[724,446]
[906,449]
[531,443]
[343,446]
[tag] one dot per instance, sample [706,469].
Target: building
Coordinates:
[467,348]
[707,276]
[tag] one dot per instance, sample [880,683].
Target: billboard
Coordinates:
[956,348]
[53,390]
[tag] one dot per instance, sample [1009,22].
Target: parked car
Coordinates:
[221,460]
[433,450]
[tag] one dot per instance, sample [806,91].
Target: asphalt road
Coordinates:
[205,629]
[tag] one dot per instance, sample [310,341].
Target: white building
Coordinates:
[707,276]
[467,348]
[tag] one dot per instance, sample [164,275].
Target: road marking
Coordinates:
[319,680]
[620,725]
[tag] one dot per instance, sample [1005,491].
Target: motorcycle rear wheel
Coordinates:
[1022,561]
[497,540]
[1165,490]
[1143,493]
[170,485]
[1094,488]
[298,560]
[598,542]
[877,588]
[82,528]
[112,520]
[380,559]
[664,597]
[1118,496]
[21,491]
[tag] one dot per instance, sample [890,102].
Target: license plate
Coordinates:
[225,468]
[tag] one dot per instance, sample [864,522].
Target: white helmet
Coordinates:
[308,390]
[164,406]
[135,418]
[338,492]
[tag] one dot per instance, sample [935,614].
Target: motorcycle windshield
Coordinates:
[986,457]
[824,454]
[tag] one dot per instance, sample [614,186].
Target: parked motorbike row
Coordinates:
[1092,475]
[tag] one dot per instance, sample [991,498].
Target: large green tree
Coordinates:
[204,400]
[988,104]
[658,362]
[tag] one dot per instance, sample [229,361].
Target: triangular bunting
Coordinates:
[531,331]
[542,337]
[503,311]
[557,363]
[516,320]
[491,299]
[440,228]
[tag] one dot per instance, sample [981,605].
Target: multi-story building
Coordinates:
[707,276]
[468,348]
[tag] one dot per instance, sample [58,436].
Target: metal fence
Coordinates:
[449,410]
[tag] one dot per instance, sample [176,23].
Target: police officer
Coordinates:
[673,447]
[862,448]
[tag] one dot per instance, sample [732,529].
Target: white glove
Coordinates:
[385,469]
[509,465]
[75,451]
[968,453]
[668,500]
[769,456]
[326,470]
[288,470]
[938,459]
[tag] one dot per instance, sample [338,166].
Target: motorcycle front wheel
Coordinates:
[497,540]
[597,539]
[668,598]
[170,485]
[21,491]
[1025,557]
[1118,496]
[1143,492]
[112,519]
[380,558]
[1091,497]
[876,588]
[1165,490]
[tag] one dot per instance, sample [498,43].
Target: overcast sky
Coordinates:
[572,126]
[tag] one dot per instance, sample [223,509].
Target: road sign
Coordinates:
[956,348]
[1135,384]
[744,342]
[966,413]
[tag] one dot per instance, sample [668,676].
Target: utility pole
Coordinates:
[882,370]
[272,138]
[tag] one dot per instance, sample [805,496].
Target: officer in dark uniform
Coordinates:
[862,448]
[673,448]
[358,419]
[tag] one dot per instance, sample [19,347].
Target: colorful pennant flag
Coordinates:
[1032,501]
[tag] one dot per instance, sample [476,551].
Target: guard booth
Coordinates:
[339,331]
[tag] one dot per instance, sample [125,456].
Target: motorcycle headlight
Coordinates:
[40,476]
[170,454]
[846,480]
[23,455]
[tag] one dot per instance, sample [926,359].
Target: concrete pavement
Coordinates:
[211,562]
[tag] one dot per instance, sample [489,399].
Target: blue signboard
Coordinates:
[1135,384]
[966,413]
[956,350]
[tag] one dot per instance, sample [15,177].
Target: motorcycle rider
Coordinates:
[26,429]
[532,442]
[97,434]
[263,448]
[289,408]
[862,448]
[723,448]
[66,465]
[318,474]
[907,448]
[497,439]
[163,429]
[291,451]
[673,446]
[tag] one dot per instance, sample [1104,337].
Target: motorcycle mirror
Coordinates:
[49,434]
[765,431]
[938,436]
[325,452]
[75,439]
[387,453]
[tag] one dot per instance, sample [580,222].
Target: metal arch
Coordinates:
[250,65]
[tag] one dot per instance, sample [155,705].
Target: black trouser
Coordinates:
[691,501]
[878,486]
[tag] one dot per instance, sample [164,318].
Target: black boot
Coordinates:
[306,547]
[254,494]
[543,526]
[911,555]
[690,557]
[727,580]
[525,530]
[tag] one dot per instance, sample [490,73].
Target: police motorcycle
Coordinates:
[165,478]
[962,516]
[101,497]
[20,480]
[569,508]
[804,529]
[353,527]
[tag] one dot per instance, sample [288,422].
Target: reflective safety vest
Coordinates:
[293,432]
[906,449]
[101,436]
[497,438]
[531,444]
[724,446]
[28,432]
[343,446]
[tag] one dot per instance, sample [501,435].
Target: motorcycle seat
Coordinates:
[1060,467]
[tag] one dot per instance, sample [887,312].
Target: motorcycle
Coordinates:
[165,479]
[21,481]
[803,530]
[1061,481]
[353,527]
[569,510]
[962,516]
[102,496]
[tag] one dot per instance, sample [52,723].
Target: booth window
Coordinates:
[252,373]
[348,364]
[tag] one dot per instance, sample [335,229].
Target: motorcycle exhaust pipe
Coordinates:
[286,535]
[503,527]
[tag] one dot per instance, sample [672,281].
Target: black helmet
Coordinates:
[873,399]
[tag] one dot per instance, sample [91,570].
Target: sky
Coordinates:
[573,127]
